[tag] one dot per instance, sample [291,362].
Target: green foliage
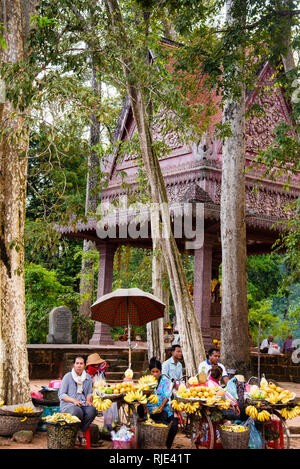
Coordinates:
[44,292]
[265,274]
[270,301]
[272,324]
[289,241]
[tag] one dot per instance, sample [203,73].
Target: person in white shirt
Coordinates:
[264,347]
[213,357]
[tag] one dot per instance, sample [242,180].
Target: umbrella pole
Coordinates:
[129,343]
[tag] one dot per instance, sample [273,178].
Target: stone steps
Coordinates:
[118,363]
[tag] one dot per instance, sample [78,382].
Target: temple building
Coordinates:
[193,174]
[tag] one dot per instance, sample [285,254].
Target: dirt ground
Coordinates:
[180,442]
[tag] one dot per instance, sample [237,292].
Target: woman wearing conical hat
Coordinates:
[96,367]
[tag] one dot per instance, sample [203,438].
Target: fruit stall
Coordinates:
[267,407]
[128,397]
[270,406]
[203,409]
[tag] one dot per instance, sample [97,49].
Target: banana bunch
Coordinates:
[101,404]
[273,398]
[24,410]
[211,401]
[263,416]
[61,418]
[179,406]
[285,396]
[234,428]
[191,408]
[135,396]
[151,422]
[288,414]
[146,382]
[153,399]
[251,411]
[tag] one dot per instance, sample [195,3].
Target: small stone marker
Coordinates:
[23,436]
[60,323]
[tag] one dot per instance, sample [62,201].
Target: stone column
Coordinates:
[202,279]
[107,251]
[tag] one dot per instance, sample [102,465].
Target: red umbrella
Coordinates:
[127,306]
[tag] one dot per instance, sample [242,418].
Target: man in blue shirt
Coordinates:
[173,367]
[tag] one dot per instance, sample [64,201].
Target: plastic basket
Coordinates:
[119,444]
[55,384]
[47,410]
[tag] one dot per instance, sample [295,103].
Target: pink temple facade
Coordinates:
[192,174]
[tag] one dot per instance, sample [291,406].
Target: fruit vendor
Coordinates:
[75,394]
[213,357]
[172,367]
[96,367]
[161,412]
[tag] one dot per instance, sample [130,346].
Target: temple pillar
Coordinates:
[202,285]
[107,251]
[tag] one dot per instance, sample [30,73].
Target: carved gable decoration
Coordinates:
[196,194]
[259,129]
[168,136]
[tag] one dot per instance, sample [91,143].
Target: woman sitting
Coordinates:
[160,412]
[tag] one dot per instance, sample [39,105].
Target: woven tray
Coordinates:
[9,411]
[266,404]
[44,403]
[148,393]
[193,399]
[190,400]
[112,397]
[50,395]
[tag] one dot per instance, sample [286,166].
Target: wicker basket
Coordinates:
[235,440]
[50,395]
[62,436]
[11,422]
[150,437]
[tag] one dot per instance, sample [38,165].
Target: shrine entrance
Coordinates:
[207,257]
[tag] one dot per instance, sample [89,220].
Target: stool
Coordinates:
[87,435]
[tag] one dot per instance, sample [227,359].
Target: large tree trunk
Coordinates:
[234,320]
[189,329]
[288,57]
[155,329]
[14,378]
[87,268]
